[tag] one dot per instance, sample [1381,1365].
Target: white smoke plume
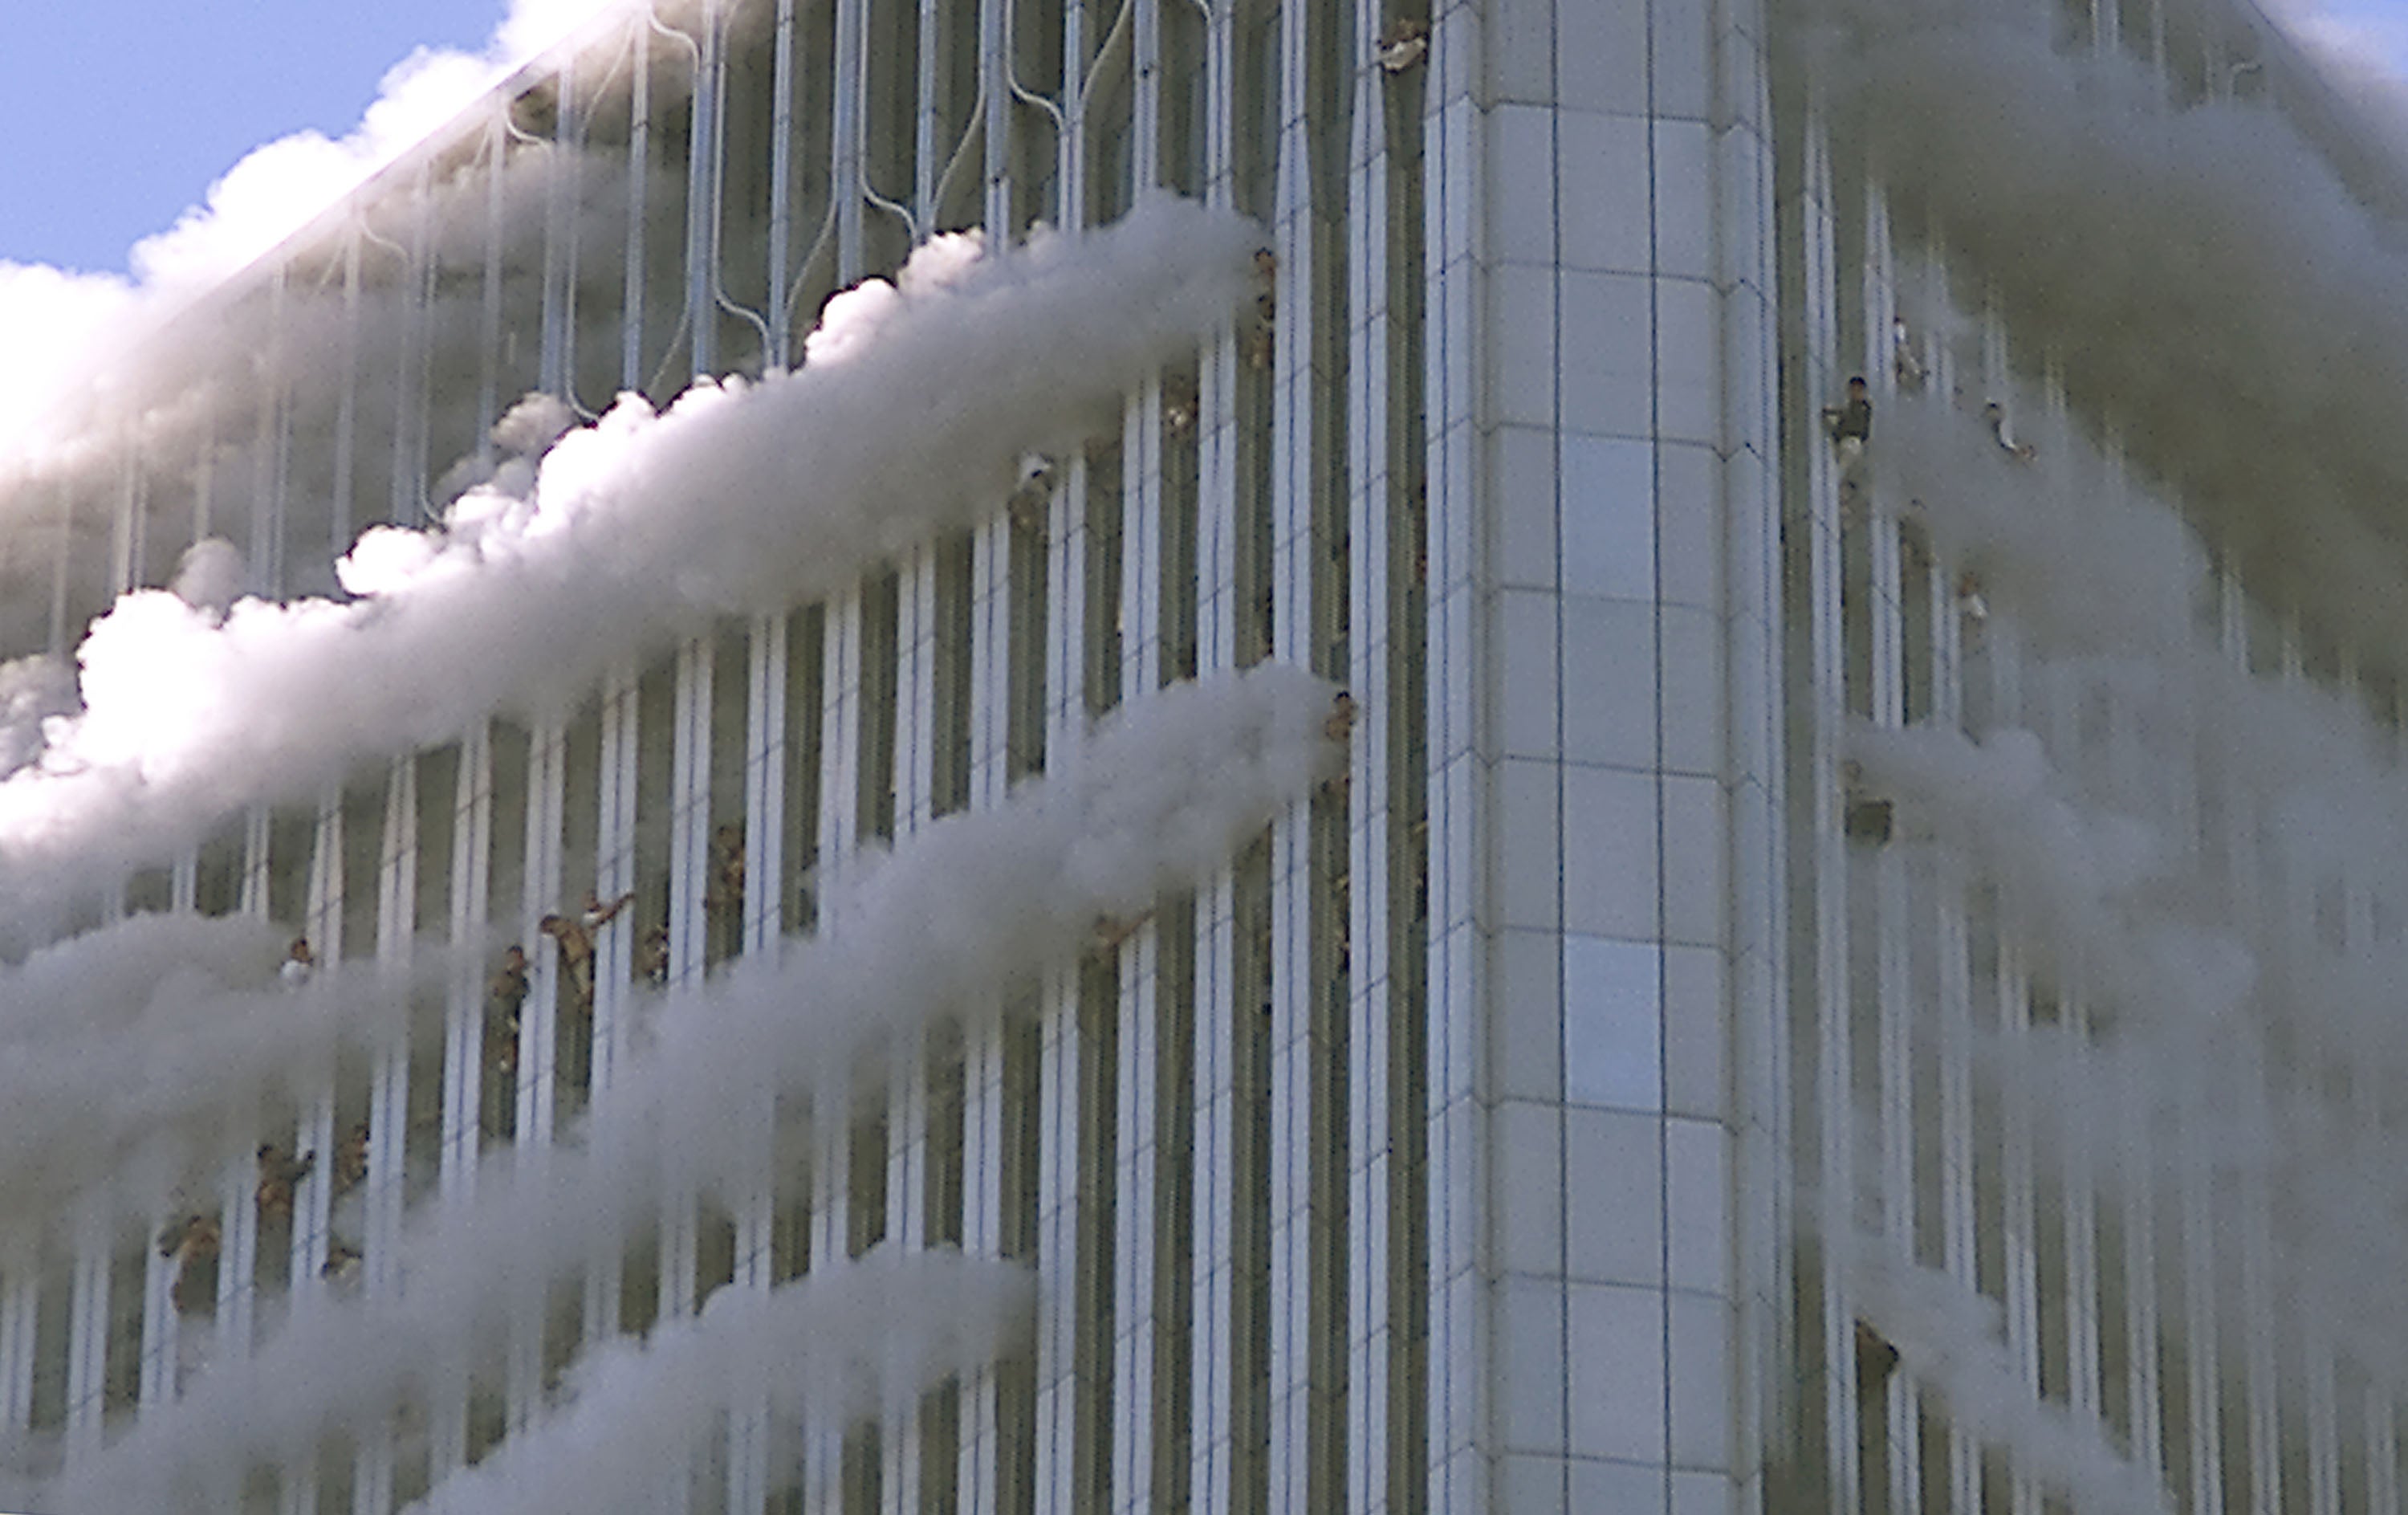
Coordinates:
[2199,275]
[68,329]
[135,1055]
[2158,869]
[954,920]
[912,413]
[1948,1341]
[824,1351]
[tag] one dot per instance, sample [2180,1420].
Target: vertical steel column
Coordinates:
[982,1097]
[840,721]
[489,343]
[1131,1431]
[1454,190]
[87,1368]
[555,370]
[781,149]
[900,1432]
[385,1195]
[21,1314]
[1211,1247]
[640,172]
[161,1328]
[347,400]
[1817,768]
[472,828]
[848,174]
[1292,571]
[267,507]
[765,795]
[1372,555]
[690,827]
[1059,1211]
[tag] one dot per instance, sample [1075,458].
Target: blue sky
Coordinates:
[124,112]
[121,112]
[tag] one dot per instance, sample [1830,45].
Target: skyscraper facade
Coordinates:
[1587,1101]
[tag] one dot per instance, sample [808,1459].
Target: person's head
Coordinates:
[515,956]
[299,951]
[267,1151]
[729,835]
[1995,411]
[549,923]
[1967,582]
[592,901]
[1856,387]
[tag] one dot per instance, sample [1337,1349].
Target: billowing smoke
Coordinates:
[2210,861]
[69,329]
[138,1053]
[914,409]
[1947,1338]
[949,926]
[2200,275]
[33,693]
[820,1353]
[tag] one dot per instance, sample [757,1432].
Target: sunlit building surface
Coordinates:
[1550,1116]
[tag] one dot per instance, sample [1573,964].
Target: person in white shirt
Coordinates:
[1905,362]
[299,964]
[1995,414]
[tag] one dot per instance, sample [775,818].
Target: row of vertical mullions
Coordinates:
[1831,1389]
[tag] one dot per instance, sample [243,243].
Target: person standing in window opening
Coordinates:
[503,994]
[1995,415]
[1972,608]
[1260,349]
[192,1242]
[299,964]
[1851,424]
[1905,362]
[352,1158]
[723,904]
[652,956]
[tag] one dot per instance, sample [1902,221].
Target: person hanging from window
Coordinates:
[300,964]
[1995,415]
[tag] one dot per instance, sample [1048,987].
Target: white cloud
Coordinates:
[65,330]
